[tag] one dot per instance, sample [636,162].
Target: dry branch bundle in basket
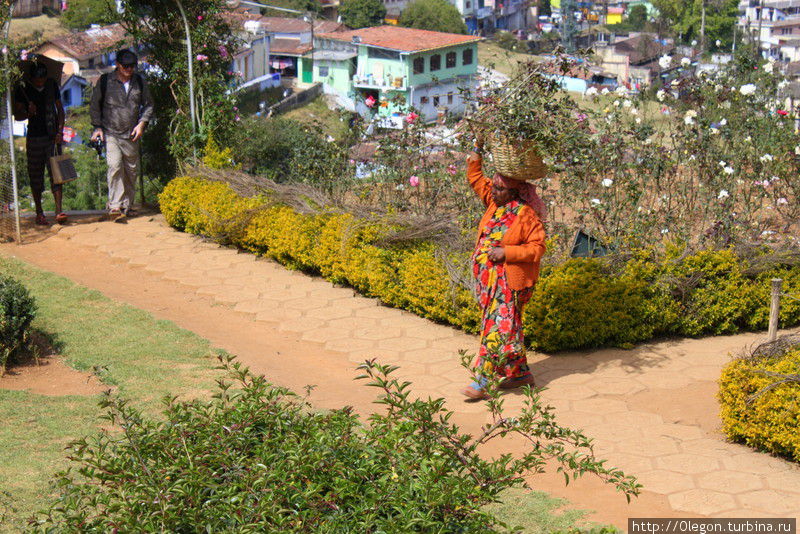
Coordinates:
[516,158]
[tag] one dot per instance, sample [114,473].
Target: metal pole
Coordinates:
[10,118]
[774,309]
[191,74]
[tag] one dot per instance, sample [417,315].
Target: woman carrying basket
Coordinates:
[509,248]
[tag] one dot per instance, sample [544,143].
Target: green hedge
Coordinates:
[17,311]
[768,420]
[577,304]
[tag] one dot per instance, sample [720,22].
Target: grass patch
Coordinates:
[492,55]
[36,30]
[144,357]
[317,113]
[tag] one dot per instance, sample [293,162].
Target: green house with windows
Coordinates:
[396,69]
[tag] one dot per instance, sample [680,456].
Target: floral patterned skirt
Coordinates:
[502,340]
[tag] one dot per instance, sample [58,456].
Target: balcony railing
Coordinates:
[368,81]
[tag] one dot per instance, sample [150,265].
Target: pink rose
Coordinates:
[411,117]
[370,101]
[201,57]
[413,181]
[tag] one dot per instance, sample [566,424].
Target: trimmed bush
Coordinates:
[580,303]
[17,311]
[764,419]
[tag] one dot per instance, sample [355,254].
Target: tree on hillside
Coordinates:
[637,17]
[313,6]
[83,13]
[362,13]
[434,15]
[685,19]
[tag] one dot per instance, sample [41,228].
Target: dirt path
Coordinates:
[651,410]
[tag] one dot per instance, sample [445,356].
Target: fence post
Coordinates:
[775,309]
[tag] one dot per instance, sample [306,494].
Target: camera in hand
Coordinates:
[98,145]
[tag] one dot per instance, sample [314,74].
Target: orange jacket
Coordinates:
[523,242]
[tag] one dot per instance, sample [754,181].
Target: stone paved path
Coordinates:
[651,410]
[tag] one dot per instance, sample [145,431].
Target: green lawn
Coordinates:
[145,359]
[317,113]
[35,30]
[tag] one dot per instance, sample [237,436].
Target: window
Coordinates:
[323,71]
[66,98]
[468,4]
[436,101]
[423,100]
[449,98]
[466,58]
[450,60]
[380,53]
[419,65]
[436,62]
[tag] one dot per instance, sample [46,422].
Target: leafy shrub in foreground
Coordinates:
[257,458]
[17,311]
[765,419]
[576,304]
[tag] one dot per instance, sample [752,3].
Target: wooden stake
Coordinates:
[775,309]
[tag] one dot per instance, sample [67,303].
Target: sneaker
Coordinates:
[116,215]
[41,220]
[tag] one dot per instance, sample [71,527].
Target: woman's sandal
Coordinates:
[61,218]
[41,220]
[518,381]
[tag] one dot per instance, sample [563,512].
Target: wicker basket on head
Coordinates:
[516,159]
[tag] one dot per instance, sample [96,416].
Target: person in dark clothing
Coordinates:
[39,100]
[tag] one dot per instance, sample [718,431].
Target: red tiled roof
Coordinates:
[404,39]
[91,42]
[237,19]
[291,47]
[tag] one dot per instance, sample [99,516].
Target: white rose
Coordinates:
[768,68]
[661,95]
[723,194]
[722,164]
[718,43]
[607,182]
[664,61]
[748,89]
[685,62]
[728,170]
[714,131]
[621,90]
[766,158]
[627,103]
[592,91]
[723,122]
[605,91]
[595,201]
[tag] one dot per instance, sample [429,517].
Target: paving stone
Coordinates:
[704,372]
[689,464]
[730,481]
[677,431]
[700,501]
[599,406]
[377,332]
[431,332]
[708,447]
[665,482]
[289,324]
[322,335]
[788,480]
[651,447]
[616,386]
[352,323]
[401,345]
[759,463]
[635,419]
[571,392]
[347,344]
[432,356]
[254,305]
[382,355]
[663,380]
[328,313]
[610,431]
[769,501]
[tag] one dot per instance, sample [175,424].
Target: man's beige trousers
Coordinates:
[123,169]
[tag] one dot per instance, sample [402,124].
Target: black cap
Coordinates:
[126,57]
[38,70]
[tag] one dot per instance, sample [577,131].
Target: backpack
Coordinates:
[104,87]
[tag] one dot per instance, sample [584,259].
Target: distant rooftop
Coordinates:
[402,39]
[91,42]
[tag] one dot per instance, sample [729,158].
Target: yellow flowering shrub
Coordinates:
[576,304]
[770,421]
